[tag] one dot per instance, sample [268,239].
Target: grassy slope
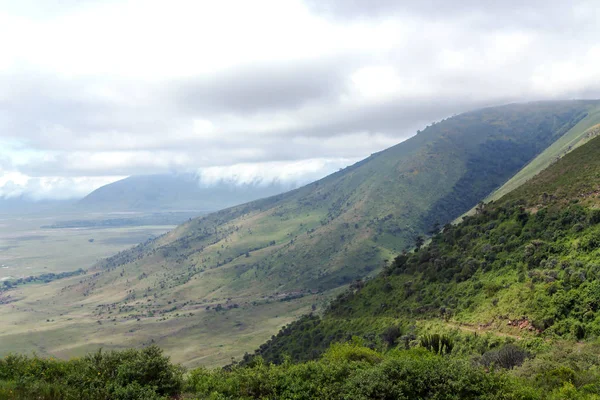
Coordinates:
[532,256]
[574,138]
[255,266]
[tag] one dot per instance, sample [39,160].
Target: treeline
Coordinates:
[43,278]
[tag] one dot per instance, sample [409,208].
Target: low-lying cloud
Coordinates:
[294,173]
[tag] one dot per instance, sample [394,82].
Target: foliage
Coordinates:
[43,278]
[437,344]
[131,374]
[507,357]
[350,372]
[528,263]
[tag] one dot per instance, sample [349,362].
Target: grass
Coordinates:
[26,249]
[574,138]
[66,326]
[300,246]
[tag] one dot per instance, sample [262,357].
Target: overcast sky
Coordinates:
[92,91]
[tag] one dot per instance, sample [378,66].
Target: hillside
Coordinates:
[583,131]
[505,305]
[525,266]
[223,283]
[164,192]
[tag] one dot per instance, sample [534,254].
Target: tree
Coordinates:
[435,229]
[391,335]
[419,242]
[479,208]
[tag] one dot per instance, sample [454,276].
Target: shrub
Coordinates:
[507,357]
[438,344]
[119,375]
[391,335]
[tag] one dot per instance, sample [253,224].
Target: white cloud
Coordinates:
[92,89]
[293,173]
[14,184]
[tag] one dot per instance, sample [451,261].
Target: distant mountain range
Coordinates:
[153,193]
[25,205]
[169,192]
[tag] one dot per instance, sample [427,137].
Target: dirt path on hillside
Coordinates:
[480,329]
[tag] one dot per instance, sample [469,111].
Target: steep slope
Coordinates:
[229,279]
[528,264]
[173,192]
[583,131]
[327,233]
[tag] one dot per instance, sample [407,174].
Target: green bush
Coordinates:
[117,375]
[507,357]
[349,371]
[438,344]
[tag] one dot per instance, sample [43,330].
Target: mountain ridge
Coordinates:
[250,268]
[524,266]
[175,191]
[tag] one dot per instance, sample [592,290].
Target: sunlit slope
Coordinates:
[586,129]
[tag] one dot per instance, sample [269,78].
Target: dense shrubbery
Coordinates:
[345,371]
[546,263]
[348,371]
[131,374]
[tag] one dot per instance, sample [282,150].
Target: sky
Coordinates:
[94,91]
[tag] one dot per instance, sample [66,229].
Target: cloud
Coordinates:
[17,185]
[268,87]
[293,173]
[93,89]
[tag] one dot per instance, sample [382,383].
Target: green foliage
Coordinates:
[350,372]
[532,254]
[391,335]
[437,344]
[529,262]
[126,375]
[507,357]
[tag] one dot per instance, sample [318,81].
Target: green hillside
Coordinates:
[328,233]
[579,134]
[525,268]
[505,305]
[222,284]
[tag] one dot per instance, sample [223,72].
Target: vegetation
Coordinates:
[581,133]
[248,270]
[525,267]
[43,278]
[345,371]
[163,218]
[131,374]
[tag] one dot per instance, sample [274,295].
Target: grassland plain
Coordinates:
[243,271]
[29,248]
